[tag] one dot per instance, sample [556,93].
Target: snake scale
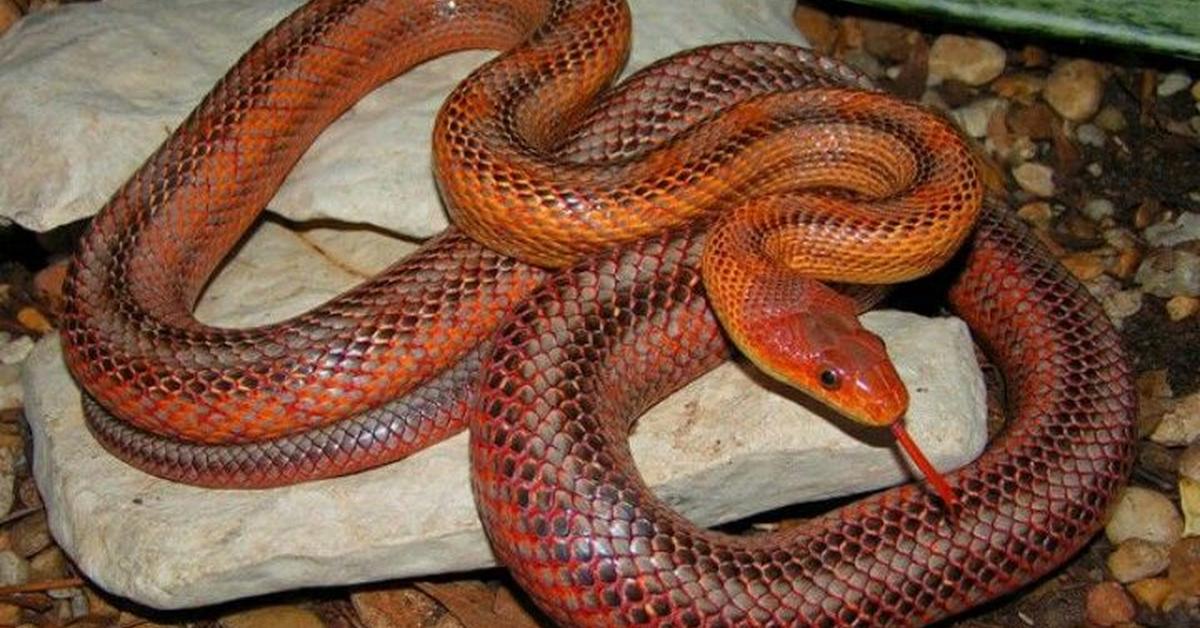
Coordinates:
[616,188]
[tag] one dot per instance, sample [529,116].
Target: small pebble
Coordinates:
[271,616]
[1184,228]
[884,40]
[1147,213]
[10,614]
[1136,559]
[380,608]
[1085,265]
[1189,500]
[1151,592]
[1182,307]
[34,320]
[11,393]
[975,117]
[15,350]
[1036,121]
[1144,514]
[1168,273]
[1118,304]
[1035,178]
[817,27]
[48,564]
[1184,571]
[1111,119]
[1074,89]
[1098,209]
[1180,425]
[968,60]
[30,535]
[14,570]
[1108,605]
[1037,213]
[1173,83]
[1126,263]
[1091,135]
[1022,88]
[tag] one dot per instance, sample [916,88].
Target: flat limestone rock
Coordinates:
[88,91]
[727,446]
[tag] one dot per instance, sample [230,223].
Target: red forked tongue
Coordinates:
[933,475]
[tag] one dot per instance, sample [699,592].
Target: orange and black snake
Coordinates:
[716,175]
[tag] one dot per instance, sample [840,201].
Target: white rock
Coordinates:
[1180,426]
[1144,514]
[95,87]
[14,350]
[170,545]
[1035,178]
[974,118]
[1173,83]
[1184,228]
[1098,209]
[1091,135]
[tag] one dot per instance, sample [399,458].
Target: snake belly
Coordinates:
[458,334]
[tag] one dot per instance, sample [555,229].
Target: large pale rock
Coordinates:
[727,446]
[88,91]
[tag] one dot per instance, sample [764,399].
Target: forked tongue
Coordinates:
[927,469]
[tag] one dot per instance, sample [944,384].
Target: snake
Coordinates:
[610,244]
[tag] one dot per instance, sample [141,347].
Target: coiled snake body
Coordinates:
[549,369]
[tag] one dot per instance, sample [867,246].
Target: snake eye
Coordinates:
[830,379]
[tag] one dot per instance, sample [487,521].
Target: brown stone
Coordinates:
[1037,213]
[1035,121]
[1151,592]
[9,15]
[1184,571]
[1181,307]
[1034,57]
[30,535]
[1126,263]
[1147,213]
[48,564]
[817,27]
[34,320]
[48,285]
[1020,87]
[1136,559]
[969,60]
[1074,89]
[396,608]
[1108,605]
[272,617]
[885,40]
[1084,265]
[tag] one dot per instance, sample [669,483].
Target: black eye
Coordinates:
[830,379]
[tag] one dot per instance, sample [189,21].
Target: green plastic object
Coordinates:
[1163,26]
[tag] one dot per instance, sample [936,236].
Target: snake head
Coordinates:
[833,358]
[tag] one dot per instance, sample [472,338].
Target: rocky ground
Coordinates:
[1099,153]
